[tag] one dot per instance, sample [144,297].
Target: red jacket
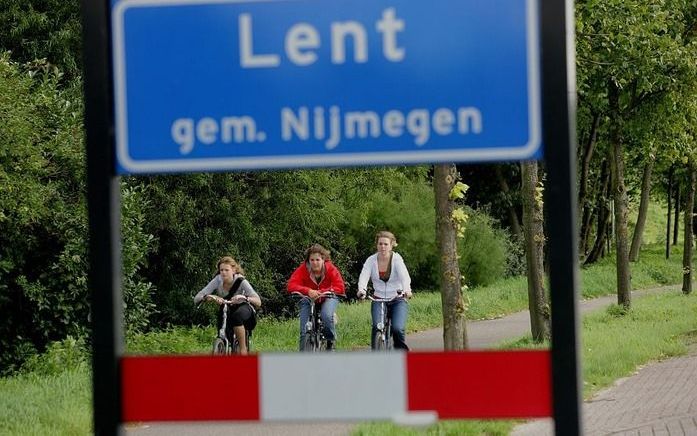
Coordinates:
[302,281]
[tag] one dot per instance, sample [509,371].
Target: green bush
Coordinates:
[516,264]
[44,295]
[405,206]
[69,354]
[483,254]
[266,220]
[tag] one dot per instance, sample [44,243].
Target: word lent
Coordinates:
[302,41]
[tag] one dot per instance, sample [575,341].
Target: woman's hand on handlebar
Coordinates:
[238,299]
[315,294]
[215,298]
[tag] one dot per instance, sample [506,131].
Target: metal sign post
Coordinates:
[248,85]
[104,212]
[559,109]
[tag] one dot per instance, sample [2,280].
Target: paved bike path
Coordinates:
[487,334]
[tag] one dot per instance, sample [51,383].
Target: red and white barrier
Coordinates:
[337,386]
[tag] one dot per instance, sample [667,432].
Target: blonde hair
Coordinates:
[388,235]
[229,260]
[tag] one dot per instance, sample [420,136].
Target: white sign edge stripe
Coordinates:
[125,4]
[333,386]
[397,157]
[533,58]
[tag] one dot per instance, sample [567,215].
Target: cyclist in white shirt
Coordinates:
[389,276]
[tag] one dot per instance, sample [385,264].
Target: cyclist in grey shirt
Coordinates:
[230,284]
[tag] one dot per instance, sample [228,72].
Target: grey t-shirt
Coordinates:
[215,286]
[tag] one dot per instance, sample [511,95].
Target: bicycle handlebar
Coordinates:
[399,296]
[226,302]
[321,294]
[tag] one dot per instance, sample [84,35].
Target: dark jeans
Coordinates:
[327,309]
[398,310]
[240,314]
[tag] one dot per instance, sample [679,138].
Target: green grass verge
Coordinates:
[615,342]
[58,404]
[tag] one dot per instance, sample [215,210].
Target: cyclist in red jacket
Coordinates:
[315,275]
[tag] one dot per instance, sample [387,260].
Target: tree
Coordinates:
[688,239]
[510,209]
[630,54]
[534,249]
[669,198]
[643,208]
[587,152]
[603,215]
[445,179]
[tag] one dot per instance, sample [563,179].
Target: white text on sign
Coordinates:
[302,41]
[330,126]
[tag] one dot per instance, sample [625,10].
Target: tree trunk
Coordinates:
[643,208]
[619,194]
[454,323]
[583,203]
[668,216]
[534,246]
[590,215]
[603,212]
[676,221]
[510,209]
[687,243]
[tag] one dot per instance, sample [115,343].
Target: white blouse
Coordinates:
[399,277]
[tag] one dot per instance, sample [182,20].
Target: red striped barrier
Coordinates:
[277,387]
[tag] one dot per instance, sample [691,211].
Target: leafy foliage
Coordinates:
[266,220]
[43,29]
[483,255]
[42,255]
[43,223]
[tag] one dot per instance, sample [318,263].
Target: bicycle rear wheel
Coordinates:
[322,344]
[219,346]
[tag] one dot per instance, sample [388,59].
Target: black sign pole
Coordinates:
[103,203]
[559,124]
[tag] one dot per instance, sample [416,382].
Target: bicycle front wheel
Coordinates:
[235,346]
[308,343]
[379,341]
[218,346]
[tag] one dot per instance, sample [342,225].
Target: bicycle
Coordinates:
[222,345]
[314,339]
[383,335]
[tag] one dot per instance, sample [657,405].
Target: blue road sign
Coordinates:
[213,85]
